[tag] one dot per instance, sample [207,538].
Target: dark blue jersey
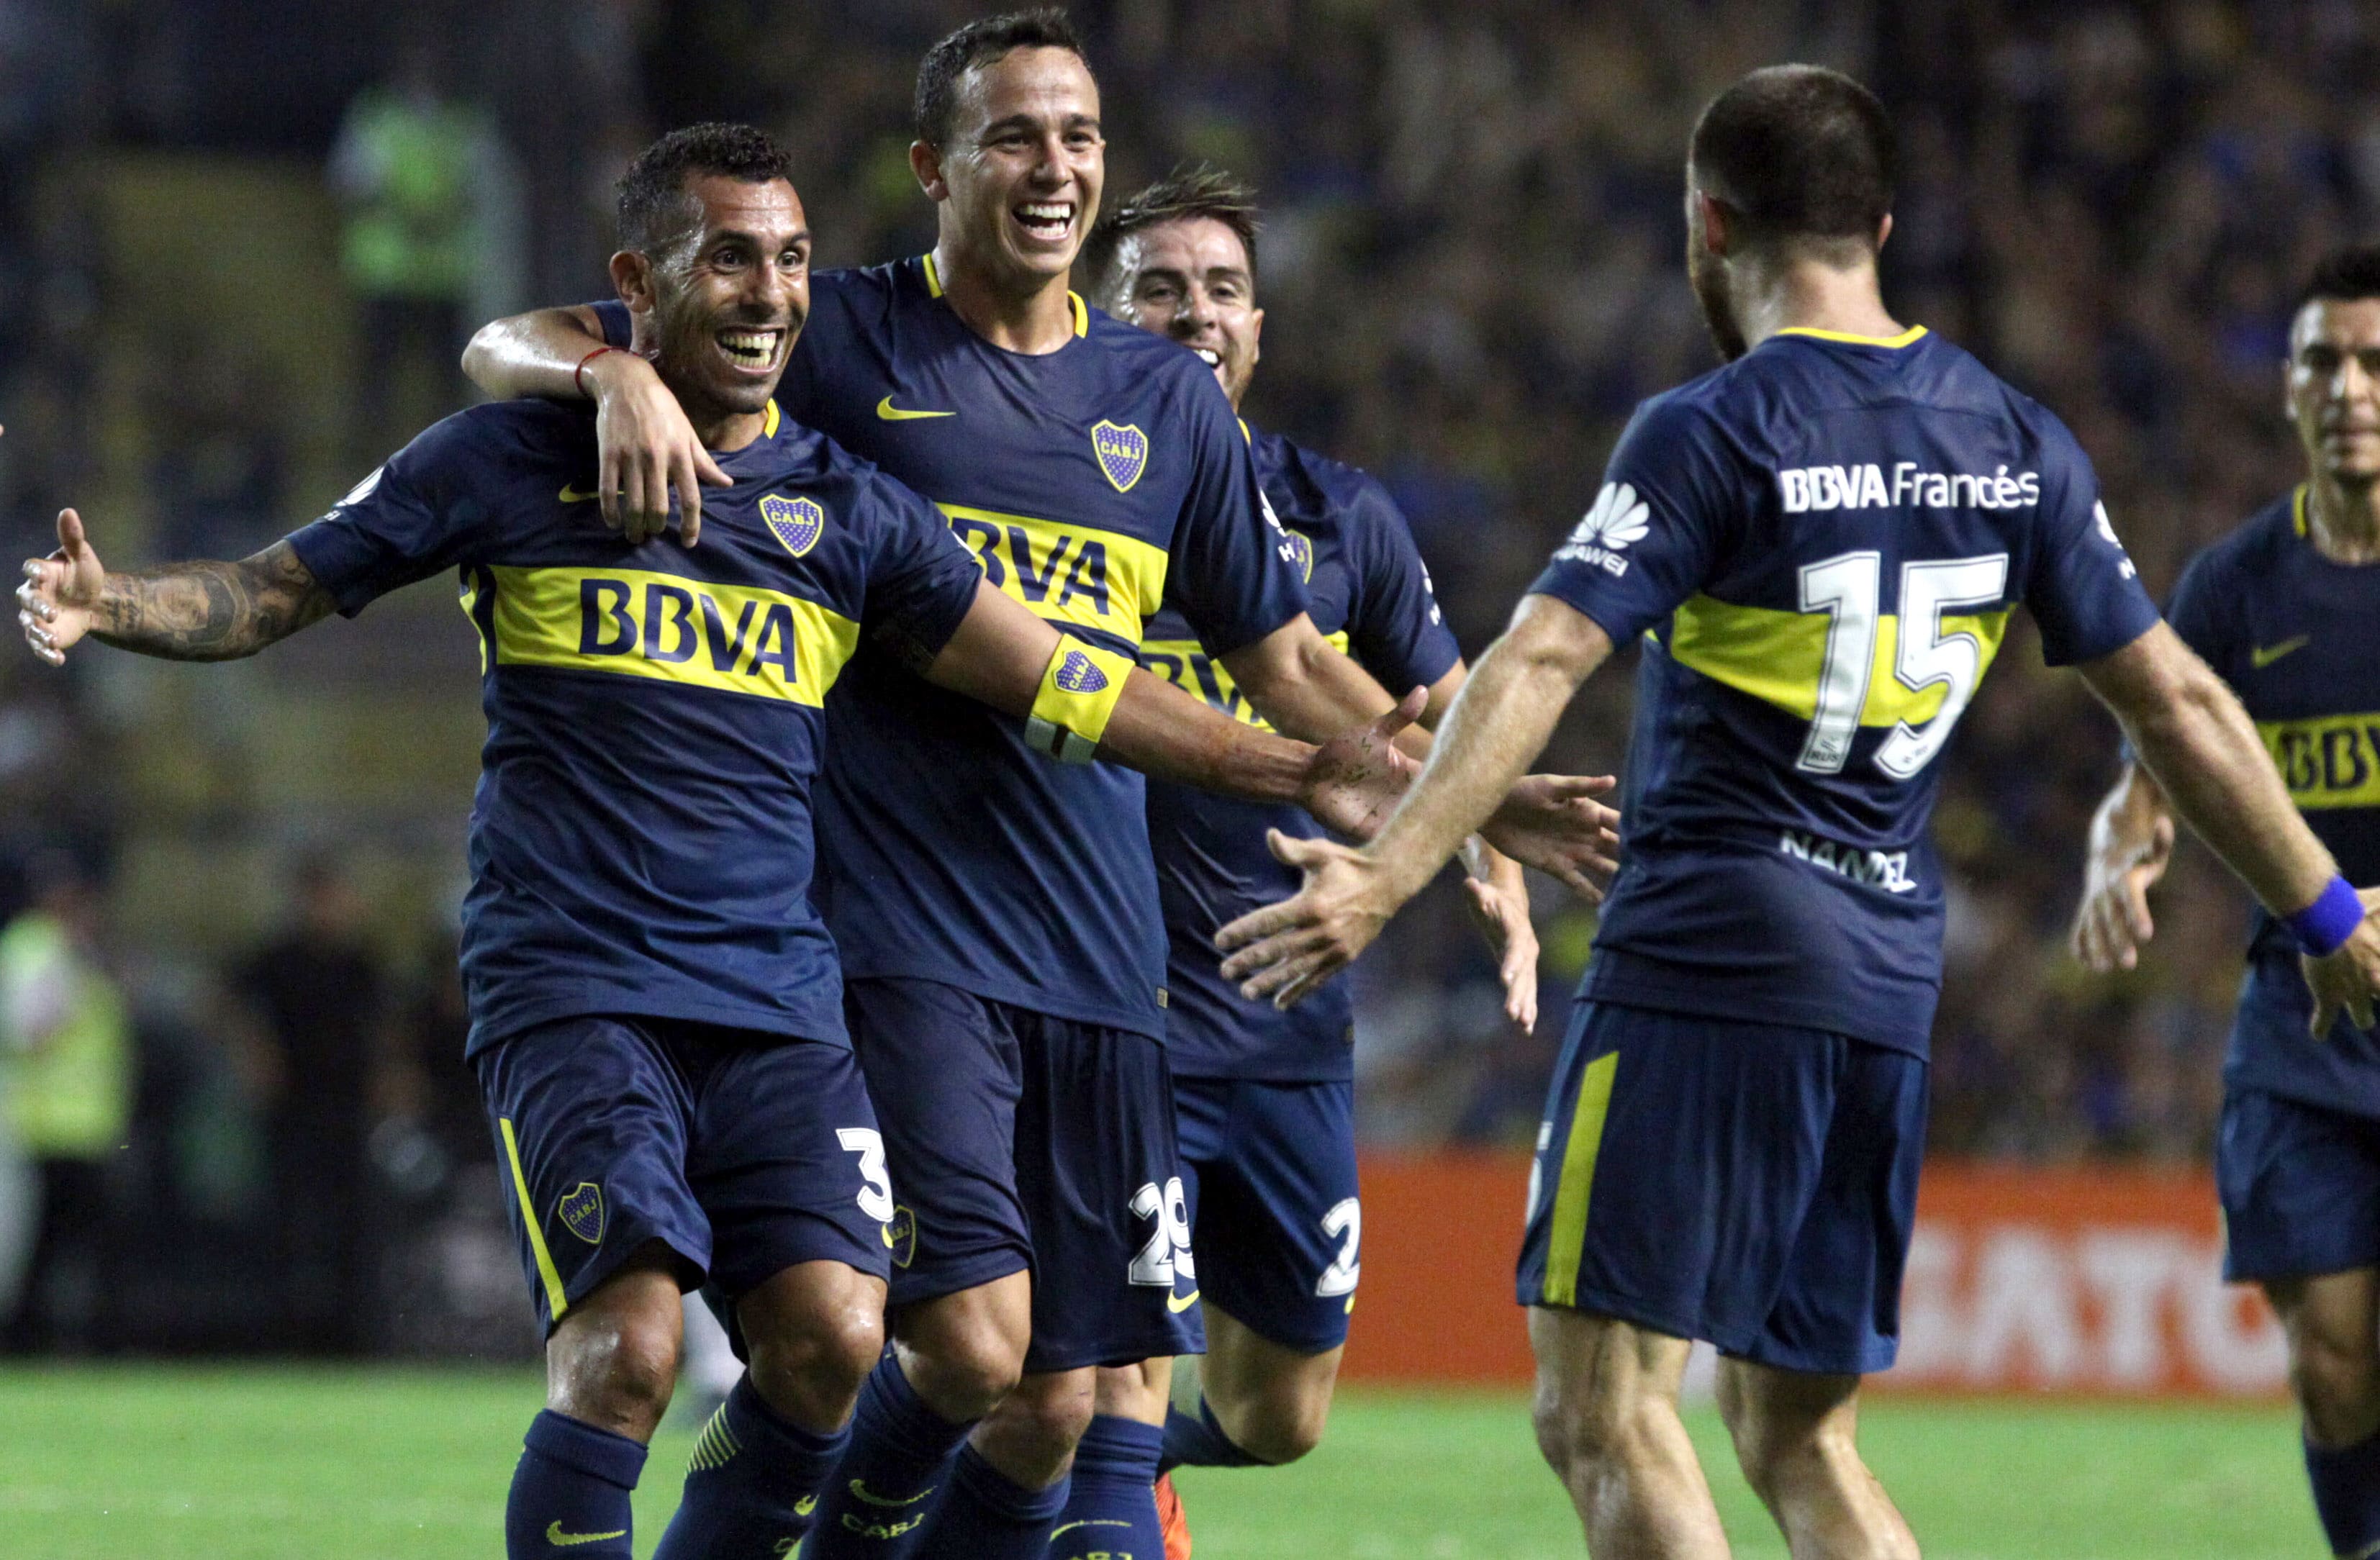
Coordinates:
[641,839]
[1371,598]
[2292,633]
[1092,483]
[1821,543]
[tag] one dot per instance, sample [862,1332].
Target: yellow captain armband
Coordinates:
[1079,690]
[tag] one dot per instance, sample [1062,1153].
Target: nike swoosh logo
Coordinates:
[805,1505]
[859,1489]
[892,413]
[1184,1303]
[571,495]
[560,1540]
[2263,656]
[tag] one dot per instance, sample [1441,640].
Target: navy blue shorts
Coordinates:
[743,1153]
[1019,1140]
[1271,1170]
[1747,1183]
[2300,1185]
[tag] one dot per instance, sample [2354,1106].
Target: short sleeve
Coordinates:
[2198,611]
[2083,588]
[619,326]
[397,526]
[921,578]
[1233,571]
[1657,529]
[1397,632]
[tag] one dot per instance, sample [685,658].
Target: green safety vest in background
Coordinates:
[72,1097]
[411,234]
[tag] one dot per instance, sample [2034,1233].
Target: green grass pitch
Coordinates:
[254,1464]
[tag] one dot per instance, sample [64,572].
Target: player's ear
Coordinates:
[1714,223]
[925,162]
[1255,336]
[632,278]
[1883,232]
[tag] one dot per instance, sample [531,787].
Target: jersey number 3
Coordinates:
[1848,590]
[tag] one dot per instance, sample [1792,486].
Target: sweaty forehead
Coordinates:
[2349,325]
[1194,245]
[1047,84]
[732,205]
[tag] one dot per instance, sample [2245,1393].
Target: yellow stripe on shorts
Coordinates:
[556,1300]
[1567,1242]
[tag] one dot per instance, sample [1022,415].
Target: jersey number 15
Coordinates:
[1847,588]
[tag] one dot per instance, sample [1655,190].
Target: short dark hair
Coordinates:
[1192,190]
[1044,26]
[1798,152]
[2346,273]
[656,210]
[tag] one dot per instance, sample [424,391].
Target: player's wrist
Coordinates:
[2324,926]
[605,371]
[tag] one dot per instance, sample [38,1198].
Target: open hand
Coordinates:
[646,449]
[2113,919]
[1500,908]
[2345,979]
[54,604]
[1553,823]
[1285,951]
[1353,782]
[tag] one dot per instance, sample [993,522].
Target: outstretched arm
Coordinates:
[646,448]
[2193,735]
[1500,722]
[2131,844]
[1005,656]
[198,611]
[1306,686]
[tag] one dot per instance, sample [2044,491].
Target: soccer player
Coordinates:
[1819,544]
[1264,1098]
[998,913]
[2286,609]
[656,1016]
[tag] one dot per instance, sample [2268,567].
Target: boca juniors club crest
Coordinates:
[581,1212]
[900,1237]
[1080,674]
[795,522]
[1301,550]
[1123,451]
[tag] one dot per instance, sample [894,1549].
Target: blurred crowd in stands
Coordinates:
[1471,268]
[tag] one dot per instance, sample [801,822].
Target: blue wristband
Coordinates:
[2329,921]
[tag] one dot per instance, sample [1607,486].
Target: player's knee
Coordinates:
[2337,1382]
[1579,1426]
[616,1369]
[1278,1427]
[966,1366]
[810,1366]
[1773,1436]
[1043,1418]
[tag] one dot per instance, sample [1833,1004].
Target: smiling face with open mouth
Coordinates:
[1025,166]
[1190,280]
[729,298]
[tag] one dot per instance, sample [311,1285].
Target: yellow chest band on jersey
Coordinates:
[1079,690]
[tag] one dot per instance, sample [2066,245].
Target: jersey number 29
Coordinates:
[1847,588]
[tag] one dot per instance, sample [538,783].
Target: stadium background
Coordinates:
[1471,269]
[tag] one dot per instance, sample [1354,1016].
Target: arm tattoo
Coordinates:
[209,610]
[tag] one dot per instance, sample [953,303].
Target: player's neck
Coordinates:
[2343,522]
[1032,316]
[1805,295]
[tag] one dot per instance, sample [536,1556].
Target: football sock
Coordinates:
[2347,1494]
[571,1489]
[752,1487]
[1112,1507]
[900,1454]
[984,1515]
[1197,1440]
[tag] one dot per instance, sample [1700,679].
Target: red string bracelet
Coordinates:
[578,374]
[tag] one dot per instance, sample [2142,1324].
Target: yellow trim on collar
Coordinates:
[933,277]
[1082,312]
[2298,509]
[1904,339]
[770,419]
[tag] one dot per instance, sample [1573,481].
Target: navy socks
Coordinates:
[900,1456]
[752,1488]
[1113,1508]
[1199,1442]
[2347,1494]
[570,1492]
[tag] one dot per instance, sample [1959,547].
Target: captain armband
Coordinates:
[1080,688]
